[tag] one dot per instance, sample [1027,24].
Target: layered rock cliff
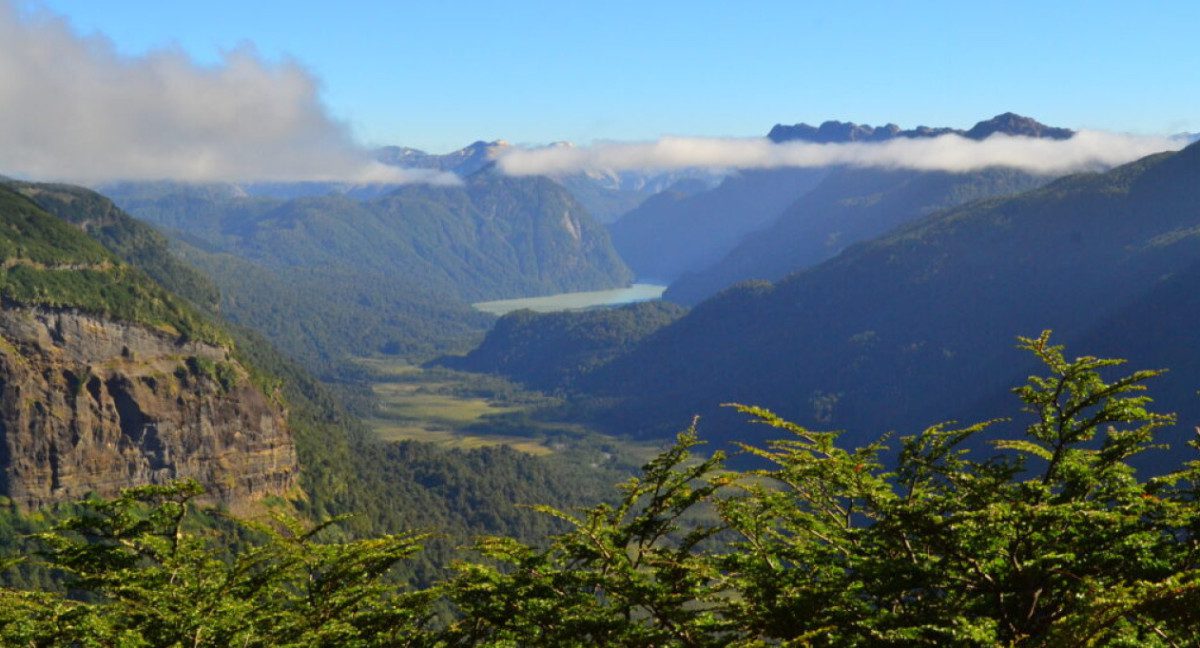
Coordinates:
[108,380]
[94,405]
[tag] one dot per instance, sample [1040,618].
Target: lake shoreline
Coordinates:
[638,292]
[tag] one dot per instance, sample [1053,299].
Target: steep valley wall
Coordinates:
[89,405]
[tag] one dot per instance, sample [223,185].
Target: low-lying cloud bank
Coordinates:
[1085,151]
[74,109]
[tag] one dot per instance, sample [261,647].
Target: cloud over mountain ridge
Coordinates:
[1086,150]
[78,110]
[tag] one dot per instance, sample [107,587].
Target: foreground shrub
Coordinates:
[1051,540]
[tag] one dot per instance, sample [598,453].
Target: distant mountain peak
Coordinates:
[466,161]
[834,131]
[482,146]
[839,132]
[1010,123]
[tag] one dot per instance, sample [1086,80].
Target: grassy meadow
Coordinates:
[464,410]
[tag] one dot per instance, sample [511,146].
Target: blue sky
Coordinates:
[440,75]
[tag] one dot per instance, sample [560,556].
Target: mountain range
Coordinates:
[896,291]
[920,323]
[787,219]
[688,227]
[847,206]
[605,193]
[332,276]
[133,355]
[838,132]
[902,331]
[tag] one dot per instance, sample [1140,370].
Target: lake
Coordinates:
[575,300]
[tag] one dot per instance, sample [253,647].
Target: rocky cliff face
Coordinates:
[93,405]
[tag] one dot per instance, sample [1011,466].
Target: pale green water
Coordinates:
[575,300]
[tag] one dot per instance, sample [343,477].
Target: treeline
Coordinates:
[1051,540]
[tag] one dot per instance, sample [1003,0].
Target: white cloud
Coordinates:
[74,109]
[1086,150]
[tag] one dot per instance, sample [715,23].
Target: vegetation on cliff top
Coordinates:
[133,241]
[49,262]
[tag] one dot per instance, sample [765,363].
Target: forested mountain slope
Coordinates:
[328,277]
[109,381]
[673,232]
[551,351]
[607,194]
[491,238]
[884,335]
[133,241]
[850,205]
[668,239]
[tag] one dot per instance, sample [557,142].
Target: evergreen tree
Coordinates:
[1053,540]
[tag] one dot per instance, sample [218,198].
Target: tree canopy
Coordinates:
[1052,539]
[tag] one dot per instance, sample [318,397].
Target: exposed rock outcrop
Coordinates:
[93,405]
[836,132]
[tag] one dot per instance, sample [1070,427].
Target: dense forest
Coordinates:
[847,207]
[1049,538]
[874,339]
[552,351]
[49,261]
[688,227]
[52,262]
[332,276]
